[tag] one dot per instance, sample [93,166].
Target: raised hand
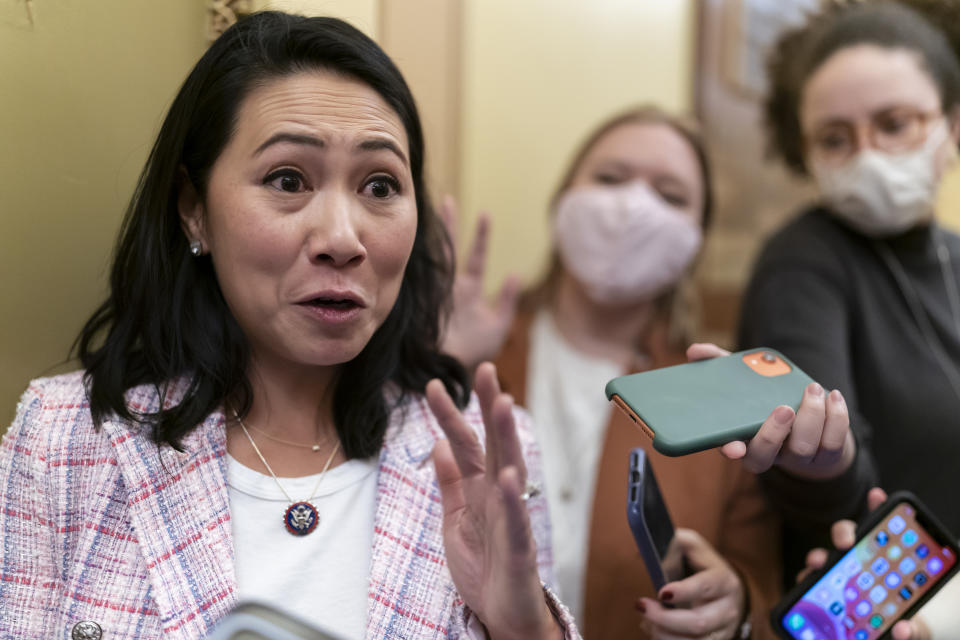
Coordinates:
[711,602]
[477,327]
[489,546]
[814,442]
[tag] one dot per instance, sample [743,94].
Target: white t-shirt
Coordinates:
[322,577]
[570,414]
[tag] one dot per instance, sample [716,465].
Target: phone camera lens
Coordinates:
[769,358]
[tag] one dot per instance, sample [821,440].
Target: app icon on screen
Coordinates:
[920,579]
[851,566]
[909,538]
[836,608]
[876,620]
[795,621]
[863,609]
[882,538]
[892,580]
[877,594]
[923,551]
[907,565]
[889,609]
[864,580]
[808,634]
[861,635]
[850,594]
[905,593]
[934,565]
[880,566]
[894,552]
[848,622]
[896,524]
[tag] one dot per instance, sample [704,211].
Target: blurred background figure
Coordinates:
[861,289]
[627,221]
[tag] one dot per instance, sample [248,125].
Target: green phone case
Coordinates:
[702,405]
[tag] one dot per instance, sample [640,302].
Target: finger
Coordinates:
[875,498]
[448,478]
[804,439]
[487,386]
[695,548]
[836,429]
[843,533]
[763,448]
[477,260]
[507,300]
[915,629]
[509,449]
[463,441]
[734,450]
[449,214]
[695,622]
[902,631]
[816,558]
[519,535]
[704,351]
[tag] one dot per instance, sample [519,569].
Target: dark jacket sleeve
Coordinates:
[798,302]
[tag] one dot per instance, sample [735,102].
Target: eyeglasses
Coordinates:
[894,130]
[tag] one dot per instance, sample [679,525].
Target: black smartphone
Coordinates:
[651,525]
[903,555]
[258,621]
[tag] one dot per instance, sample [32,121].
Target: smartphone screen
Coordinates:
[873,584]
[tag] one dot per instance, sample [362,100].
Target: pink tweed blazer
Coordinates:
[102,525]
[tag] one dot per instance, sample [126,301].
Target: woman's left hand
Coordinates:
[711,603]
[489,546]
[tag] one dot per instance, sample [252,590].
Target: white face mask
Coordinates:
[881,194]
[624,244]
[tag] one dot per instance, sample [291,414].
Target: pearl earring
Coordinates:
[196,248]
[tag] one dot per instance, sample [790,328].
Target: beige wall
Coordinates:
[83,91]
[538,75]
[948,208]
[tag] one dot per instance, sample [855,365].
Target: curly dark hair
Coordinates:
[165,316]
[800,52]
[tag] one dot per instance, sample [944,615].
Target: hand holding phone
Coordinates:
[813,442]
[710,603]
[902,556]
[755,405]
[681,564]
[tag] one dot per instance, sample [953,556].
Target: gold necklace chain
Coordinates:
[274,476]
[313,447]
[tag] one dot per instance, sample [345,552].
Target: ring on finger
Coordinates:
[530,491]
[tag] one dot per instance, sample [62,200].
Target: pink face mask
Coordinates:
[623,244]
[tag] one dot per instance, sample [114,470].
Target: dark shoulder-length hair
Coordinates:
[165,317]
[882,23]
[676,307]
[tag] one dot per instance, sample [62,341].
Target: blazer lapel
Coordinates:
[411,592]
[179,507]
